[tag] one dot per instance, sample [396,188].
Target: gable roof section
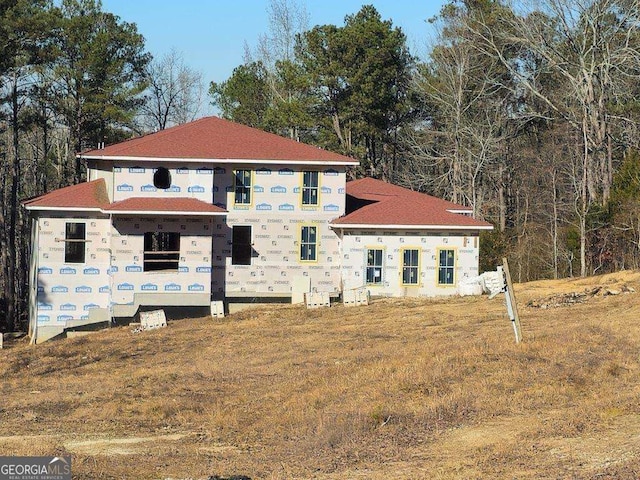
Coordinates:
[86,196]
[212,138]
[164,206]
[379,203]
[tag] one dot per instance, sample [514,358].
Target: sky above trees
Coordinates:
[212,35]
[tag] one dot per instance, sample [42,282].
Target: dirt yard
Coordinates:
[402,389]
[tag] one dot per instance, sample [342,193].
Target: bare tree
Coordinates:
[457,150]
[276,51]
[590,49]
[175,93]
[576,57]
[287,18]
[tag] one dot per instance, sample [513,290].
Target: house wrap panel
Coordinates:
[67,291]
[276,215]
[127,258]
[187,180]
[354,260]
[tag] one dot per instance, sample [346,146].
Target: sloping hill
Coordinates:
[402,389]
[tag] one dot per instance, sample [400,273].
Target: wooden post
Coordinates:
[510,298]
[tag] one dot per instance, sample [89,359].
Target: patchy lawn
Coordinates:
[403,389]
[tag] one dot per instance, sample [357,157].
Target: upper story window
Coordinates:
[242,187]
[162,178]
[309,188]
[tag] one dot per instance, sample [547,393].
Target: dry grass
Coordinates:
[402,389]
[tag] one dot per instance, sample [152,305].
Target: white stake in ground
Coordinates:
[510,299]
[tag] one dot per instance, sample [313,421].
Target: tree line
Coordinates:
[72,76]
[527,113]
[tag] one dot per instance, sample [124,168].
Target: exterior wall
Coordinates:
[33,277]
[193,180]
[276,215]
[354,260]
[68,291]
[101,169]
[127,257]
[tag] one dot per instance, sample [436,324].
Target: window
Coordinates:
[75,239]
[309,188]
[308,244]
[374,266]
[162,178]
[410,266]
[241,248]
[446,267]
[161,251]
[242,187]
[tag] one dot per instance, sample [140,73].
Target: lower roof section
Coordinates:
[92,197]
[164,206]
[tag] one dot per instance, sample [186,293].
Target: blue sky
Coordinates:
[211,34]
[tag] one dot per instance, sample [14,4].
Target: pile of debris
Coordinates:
[572,298]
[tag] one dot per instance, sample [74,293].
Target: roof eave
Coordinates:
[219,160]
[410,227]
[164,212]
[64,209]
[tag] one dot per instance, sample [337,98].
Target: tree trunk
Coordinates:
[11,293]
[584,205]
[554,224]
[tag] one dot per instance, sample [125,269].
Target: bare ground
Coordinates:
[406,389]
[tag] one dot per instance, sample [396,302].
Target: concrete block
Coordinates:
[217,309]
[152,320]
[355,297]
[317,299]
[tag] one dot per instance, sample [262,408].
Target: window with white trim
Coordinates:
[446,267]
[242,187]
[308,244]
[75,239]
[410,266]
[374,266]
[161,251]
[310,188]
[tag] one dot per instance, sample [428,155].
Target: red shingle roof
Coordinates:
[83,196]
[384,204]
[212,138]
[167,206]
[93,196]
